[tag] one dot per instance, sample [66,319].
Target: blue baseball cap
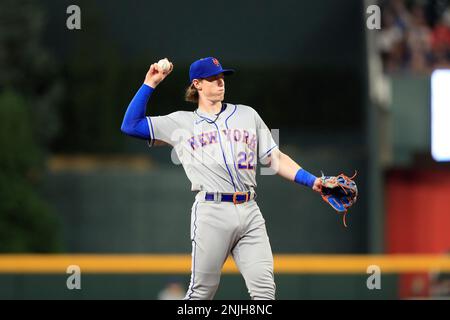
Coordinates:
[207,67]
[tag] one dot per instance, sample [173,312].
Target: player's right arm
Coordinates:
[134,122]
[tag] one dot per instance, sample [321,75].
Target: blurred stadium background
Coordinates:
[74,190]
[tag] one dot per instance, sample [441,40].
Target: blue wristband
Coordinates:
[305,178]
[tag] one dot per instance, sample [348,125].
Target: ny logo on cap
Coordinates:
[216,62]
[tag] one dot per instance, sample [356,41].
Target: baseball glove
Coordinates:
[339,192]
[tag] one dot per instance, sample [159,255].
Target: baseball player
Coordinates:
[218,145]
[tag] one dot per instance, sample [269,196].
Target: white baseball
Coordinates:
[164,64]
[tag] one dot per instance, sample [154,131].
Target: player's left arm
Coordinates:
[290,170]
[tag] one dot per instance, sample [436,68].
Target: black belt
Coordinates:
[236,198]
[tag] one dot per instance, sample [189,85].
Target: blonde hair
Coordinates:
[191,94]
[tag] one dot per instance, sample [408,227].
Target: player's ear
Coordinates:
[197,84]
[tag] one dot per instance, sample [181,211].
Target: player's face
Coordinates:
[213,88]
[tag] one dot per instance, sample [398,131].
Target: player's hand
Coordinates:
[155,75]
[317,185]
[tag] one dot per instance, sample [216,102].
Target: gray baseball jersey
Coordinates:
[218,155]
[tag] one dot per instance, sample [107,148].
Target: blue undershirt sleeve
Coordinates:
[134,122]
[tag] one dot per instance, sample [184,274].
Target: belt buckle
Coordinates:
[235,201]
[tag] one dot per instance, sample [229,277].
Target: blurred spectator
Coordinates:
[418,36]
[174,290]
[441,41]
[408,42]
[401,13]
[440,283]
[391,43]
